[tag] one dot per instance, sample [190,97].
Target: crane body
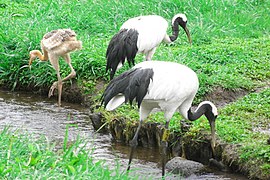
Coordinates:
[167,86]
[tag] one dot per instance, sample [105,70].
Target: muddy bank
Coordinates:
[192,147]
[72,92]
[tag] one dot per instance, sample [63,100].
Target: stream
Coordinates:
[41,116]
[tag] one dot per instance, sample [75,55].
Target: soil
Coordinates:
[221,97]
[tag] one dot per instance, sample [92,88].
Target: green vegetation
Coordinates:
[25,158]
[230,49]
[230,39]
[246,122]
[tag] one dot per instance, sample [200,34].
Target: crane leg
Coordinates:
[164,146]
[59,84]
[183,151]
[72,73]
[149,55]
[133,144]
[111,74]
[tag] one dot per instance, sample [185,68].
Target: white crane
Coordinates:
[55,44]
[167,86]
[141,34]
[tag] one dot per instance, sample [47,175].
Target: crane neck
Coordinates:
[37,53]
[175,31]
[210,112]
[204,109]
[34,54]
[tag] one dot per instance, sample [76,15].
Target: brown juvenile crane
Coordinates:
[55,44]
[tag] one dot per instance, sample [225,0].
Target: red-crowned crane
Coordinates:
[167,86]
[141,35]
[55,44]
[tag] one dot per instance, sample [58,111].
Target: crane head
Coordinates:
[181,20]
[33,54]
[211,115]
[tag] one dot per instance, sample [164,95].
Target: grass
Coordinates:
[230,49]
[23,157]
[253,112]
[219,40]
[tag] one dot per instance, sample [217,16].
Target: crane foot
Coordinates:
[53,87]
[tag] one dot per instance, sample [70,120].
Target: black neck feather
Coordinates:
[175,31]
[205,109]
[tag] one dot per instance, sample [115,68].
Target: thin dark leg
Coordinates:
[133,144]
[164,145]
[111,74]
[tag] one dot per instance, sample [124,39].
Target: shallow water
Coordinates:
[41,116]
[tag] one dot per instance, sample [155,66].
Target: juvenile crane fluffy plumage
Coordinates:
[167,86]
[56,44]
[141,35]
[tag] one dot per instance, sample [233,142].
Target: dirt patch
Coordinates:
[221,97]
[72,93]
[267,85]
[100,84]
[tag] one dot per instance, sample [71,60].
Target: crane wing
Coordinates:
[56,37]
[115,102]
[130,85]
[122,46]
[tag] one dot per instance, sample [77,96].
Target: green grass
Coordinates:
[227,36]
[23,157]
[230,49]
[252,113]
[244,122]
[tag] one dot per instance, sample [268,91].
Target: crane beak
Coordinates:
[32,57]
[30,62]
[188,34]
[213,134]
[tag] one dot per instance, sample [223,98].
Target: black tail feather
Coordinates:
[122,46]
[133,84]
[116,86]
[138,86]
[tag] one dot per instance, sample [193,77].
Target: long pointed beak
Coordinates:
[213,135]
[32,57]
[188,34]
[30,62]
